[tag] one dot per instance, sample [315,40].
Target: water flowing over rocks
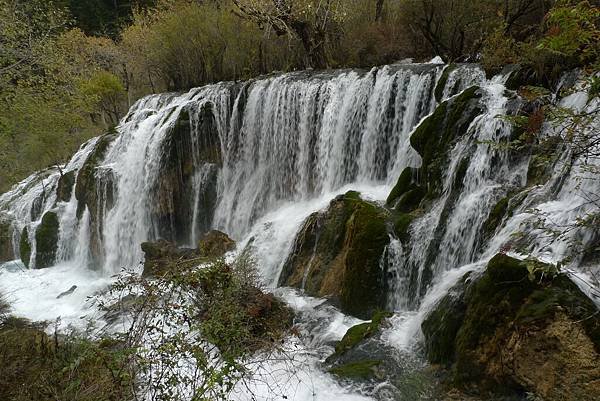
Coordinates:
[373,190]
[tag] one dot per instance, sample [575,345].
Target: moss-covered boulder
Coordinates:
[161,256]
[518,326]
[361,332]
[337,255]
[433,138]
[215,244]
[64,187]
[94,191]
[441,84]
[190,155]
[6,240]
[362,355]
[25,247]
[46,241]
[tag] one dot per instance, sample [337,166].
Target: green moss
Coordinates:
[85,188]
[360,332]
[441,84]
[25,247]
[403,185]
[64,187]
[496,216]
[6,248]
[433,138]
[357,370]
[366,236]
[402,222]
[442,325]
[46,241]
[337,255]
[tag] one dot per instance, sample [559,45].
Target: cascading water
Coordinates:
[256,159]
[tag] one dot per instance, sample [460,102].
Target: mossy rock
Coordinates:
[407,193]
[215,244]
[6,241]
[402,222]
[542,161]
[86,185]
[434,137]
[25,247]
[362,370]
[441,84]
[64,188]
[496,217]
[486,332]
[46,241]
[164,257]
[192,143]
[360,332]
[337,252]
[442,324]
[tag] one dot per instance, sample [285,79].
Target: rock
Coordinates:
[25,247]
[337,255]
[94,190]
[361,332]
[433,138]
[46,241]
[6,241]
[516,328]
[215,244]
[187,153]
[362,355]
[64,188]
[68,292]
[162,256]
[441,84]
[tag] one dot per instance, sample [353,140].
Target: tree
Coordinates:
[311,21]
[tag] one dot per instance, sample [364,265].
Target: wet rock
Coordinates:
[94,191]
[162,256]
[434,137]
[190,154]
[215,244]
[25,247]
[337,255]
[441,84]
[68,292]
[64,188]
[46,241]
[6,240]
[519,326]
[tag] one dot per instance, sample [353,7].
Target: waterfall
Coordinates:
[256,159]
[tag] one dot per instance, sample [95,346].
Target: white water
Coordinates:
[289,145]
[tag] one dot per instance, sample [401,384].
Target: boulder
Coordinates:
[162,256]
[520,326]
[64,188]
[6,240]
[94,191]
[25,247]
[190,156]
[337,255]
[215,244]
[46,241]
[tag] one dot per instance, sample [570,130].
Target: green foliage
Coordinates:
[573,31]
[220,316]
[67,368]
